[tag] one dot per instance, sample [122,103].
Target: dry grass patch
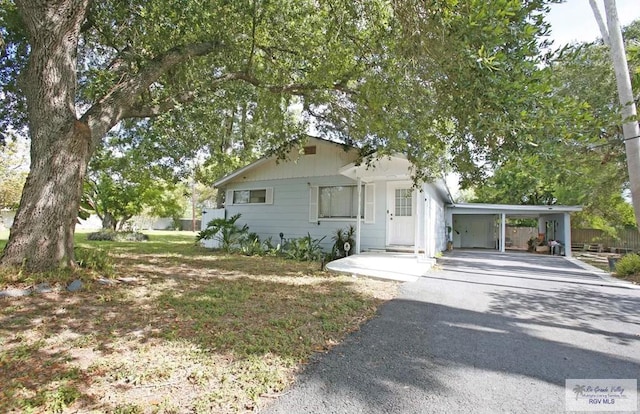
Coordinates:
[191,331]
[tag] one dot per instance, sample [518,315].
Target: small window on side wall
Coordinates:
[257,196]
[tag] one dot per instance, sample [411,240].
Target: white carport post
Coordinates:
[567,234]
[503,232]
[424,201]
[359,216]
[417,195]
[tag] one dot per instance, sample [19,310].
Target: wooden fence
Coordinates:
[628,239]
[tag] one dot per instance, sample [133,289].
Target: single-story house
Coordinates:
[324,186]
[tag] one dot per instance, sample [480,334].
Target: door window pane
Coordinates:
[403,201]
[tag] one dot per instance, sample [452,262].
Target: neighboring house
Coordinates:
[323,186]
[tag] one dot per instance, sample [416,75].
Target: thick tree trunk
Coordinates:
[42,234]
[630,127]
[122,222]
[41,237]
[108,222]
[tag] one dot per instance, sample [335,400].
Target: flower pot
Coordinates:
[542,249]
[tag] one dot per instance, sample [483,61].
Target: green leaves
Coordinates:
[120,185]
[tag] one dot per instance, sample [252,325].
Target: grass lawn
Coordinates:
[600,261]
[4,235]
[190,331]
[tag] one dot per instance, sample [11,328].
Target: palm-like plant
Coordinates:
[340,238]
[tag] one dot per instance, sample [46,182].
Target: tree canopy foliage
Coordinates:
[406,75]
[120,187]
[450,83]
[587,166]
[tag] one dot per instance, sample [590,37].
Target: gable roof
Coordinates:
[244,170]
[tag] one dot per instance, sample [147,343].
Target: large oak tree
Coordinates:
[425,77]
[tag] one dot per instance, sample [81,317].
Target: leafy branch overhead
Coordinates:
[582,159]
[453,84]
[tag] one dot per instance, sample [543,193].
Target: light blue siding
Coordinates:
[432,221]
[560,227]
[289,213]
[438,223]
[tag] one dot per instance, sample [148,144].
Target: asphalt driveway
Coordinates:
[479,336]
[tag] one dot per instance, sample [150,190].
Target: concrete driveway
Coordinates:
[482,334]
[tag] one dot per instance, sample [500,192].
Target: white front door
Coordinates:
[401,214]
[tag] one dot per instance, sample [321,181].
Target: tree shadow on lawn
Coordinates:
[417,355]
[228,318]
[221,264]
[158,247]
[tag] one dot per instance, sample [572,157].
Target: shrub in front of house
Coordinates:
[234,238]
[304,249]
[628,265]
[226,231]
[342,238]
[117,236]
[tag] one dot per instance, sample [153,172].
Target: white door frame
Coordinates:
[390,194]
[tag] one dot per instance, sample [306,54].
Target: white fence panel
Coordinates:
[209,214]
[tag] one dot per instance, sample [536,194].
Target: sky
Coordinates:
[573,20]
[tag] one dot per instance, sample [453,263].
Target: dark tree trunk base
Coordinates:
[42,234]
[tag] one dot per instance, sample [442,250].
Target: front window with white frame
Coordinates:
[339,202]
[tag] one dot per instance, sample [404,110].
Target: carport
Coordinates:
[477,225]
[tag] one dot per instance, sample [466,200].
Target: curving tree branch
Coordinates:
[115,105]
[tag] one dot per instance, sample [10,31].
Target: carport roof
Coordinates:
[510,209]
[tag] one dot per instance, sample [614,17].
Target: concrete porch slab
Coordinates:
[401,267]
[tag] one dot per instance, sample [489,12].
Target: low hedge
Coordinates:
[628,265]
[118,236]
